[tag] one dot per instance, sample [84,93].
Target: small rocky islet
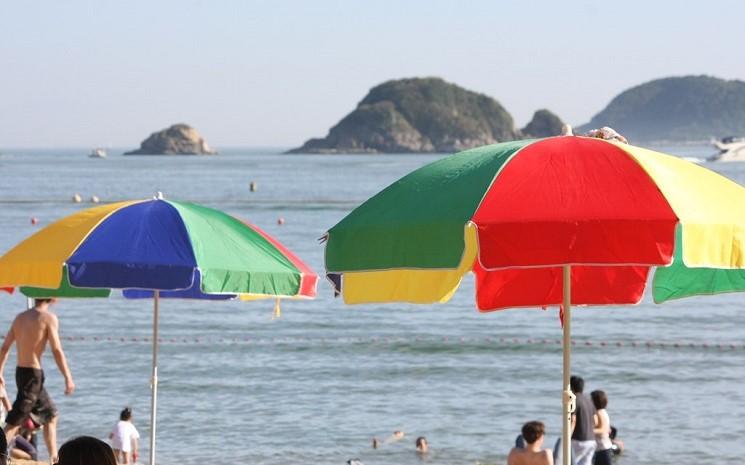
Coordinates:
[178,139]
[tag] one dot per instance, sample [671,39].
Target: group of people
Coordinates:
[33,409]
[593,438]
[421,444]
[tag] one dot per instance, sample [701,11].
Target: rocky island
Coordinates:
[543,124]
[422,115]
[179,139]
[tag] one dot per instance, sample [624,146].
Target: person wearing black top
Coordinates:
[583,422]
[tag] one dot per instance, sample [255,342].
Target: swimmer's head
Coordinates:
[533,431]
[421,444]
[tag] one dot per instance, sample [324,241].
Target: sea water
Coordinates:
[316,385]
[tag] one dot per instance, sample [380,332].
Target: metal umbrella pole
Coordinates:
[154,380]
[568,399]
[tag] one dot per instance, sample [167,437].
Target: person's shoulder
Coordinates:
[23,315]
[515,456]
[50,318]
[549,455]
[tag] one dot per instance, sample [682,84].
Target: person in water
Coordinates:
[604,450]
[532,453]
[422,447]
[31,331]
[395,437]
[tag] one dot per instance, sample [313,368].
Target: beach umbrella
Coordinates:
[160,249]
[558,221]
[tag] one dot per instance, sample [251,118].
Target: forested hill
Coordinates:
[676,108]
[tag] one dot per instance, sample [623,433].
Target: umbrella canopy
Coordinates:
[183,249]
[152,249]
[515,213]
[564,220]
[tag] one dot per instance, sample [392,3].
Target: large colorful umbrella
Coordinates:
[155,248]
[558,221]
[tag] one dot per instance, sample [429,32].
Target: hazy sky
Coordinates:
[274,73]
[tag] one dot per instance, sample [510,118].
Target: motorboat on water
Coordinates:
[730,149]
[98,152]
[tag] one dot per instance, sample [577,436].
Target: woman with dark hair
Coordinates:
[86,450]
[422,447]
[604,450]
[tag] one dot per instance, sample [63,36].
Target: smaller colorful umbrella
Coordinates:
[155,248]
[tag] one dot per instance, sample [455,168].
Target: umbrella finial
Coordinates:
[158,196]
[566,130]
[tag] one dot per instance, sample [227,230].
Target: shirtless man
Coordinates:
[532,454]
[31,330]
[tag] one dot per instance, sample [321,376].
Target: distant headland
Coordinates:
[420,115]
[683,108]
[432,115]
[179,139]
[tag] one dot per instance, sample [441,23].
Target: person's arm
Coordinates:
[549,456]
[600,426]
[10,338]
[59,356]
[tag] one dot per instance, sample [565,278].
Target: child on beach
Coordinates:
[124,438]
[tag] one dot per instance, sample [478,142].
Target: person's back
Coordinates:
[30,330]
[532,454]
[527,457]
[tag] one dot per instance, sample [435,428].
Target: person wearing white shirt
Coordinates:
[124,438]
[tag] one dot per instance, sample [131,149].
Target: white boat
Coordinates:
[98,152]
[730,149]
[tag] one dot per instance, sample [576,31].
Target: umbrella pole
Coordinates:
[567,397]
[154,380]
